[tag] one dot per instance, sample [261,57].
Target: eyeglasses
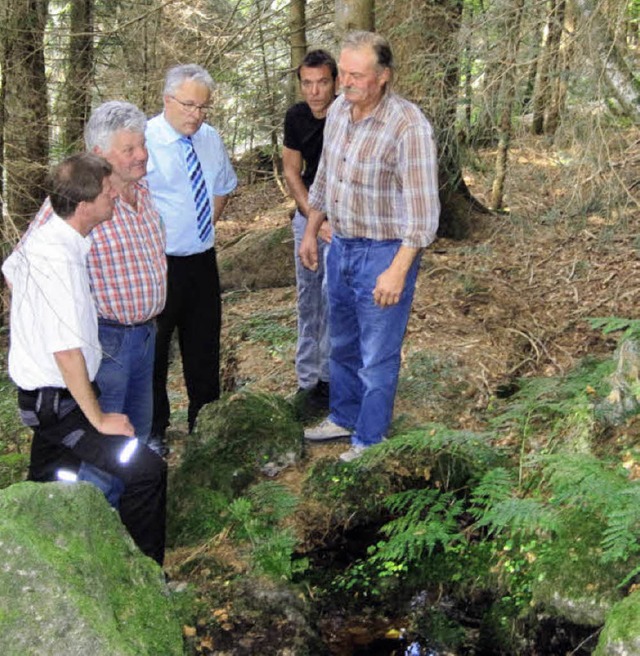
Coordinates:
[192,108]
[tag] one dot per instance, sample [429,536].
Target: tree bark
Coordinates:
[79,80]
[423,37]
[353,15]
[548,66]
[298,41]
[609,59]
[26,127]
[508,98]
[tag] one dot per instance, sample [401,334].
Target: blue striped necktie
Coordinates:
[203,206]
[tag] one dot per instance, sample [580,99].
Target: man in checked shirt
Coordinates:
[377,184]
[127,272]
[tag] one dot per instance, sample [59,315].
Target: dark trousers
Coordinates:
[63,438]
[194,307]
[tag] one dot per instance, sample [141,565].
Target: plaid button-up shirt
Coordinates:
[127,263]
[378,178]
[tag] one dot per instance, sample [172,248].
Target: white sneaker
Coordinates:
[352,454]
[325,430]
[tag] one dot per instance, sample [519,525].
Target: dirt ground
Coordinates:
[511,300]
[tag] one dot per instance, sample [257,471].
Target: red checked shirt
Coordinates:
[127,263]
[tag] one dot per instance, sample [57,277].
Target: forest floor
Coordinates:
[512,300]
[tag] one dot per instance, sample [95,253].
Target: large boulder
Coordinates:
[570,581]
[72,580]
[621,633]
[258,260]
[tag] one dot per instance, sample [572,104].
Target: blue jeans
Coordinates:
[365,339]
[125,379]
[312,351]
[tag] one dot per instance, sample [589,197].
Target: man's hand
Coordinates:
[390,283]
[309,245]
[389,286]
[309,250]
[113,423]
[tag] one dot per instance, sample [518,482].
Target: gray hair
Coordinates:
[178,75]
[109,118]
[380,46]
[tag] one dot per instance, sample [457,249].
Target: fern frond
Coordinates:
[434,440]
[546,401]
[428,519]
[582,479]
[496,486]
[272,500]
[520,516]
[629,577]
[607,325]
[622,534]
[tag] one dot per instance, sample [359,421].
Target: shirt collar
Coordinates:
[81,242]
[167,134]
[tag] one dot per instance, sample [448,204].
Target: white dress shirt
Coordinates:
[51,305]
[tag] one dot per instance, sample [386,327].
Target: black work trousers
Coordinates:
[63,437]
[194,307]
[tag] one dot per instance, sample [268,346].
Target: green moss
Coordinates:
[70,566]
[13,468]
[569,578]
[621,633]
[236,438]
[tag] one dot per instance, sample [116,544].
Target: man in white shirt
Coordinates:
[55,353]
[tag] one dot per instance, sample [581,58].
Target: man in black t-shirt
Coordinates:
[303,133]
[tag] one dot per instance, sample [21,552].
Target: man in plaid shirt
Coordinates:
[377,184]
[127,271]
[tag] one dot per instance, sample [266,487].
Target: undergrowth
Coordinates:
[543,514]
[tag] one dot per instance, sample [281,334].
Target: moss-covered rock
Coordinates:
[570,580]
[621,633]
[73,582]
[238,439]
[259,260]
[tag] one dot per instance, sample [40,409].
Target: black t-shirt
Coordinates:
[303,132]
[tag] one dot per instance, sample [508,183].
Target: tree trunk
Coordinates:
[7,239]
[508,97]
[298,41]
[559,83]
[79,80]
[548,65]
[26,117]
[609,58]
[353,15]
[274,123]
[423,37]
